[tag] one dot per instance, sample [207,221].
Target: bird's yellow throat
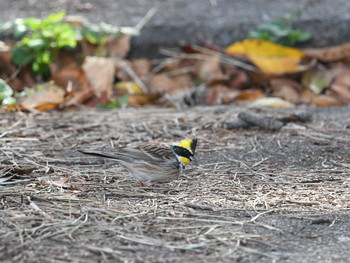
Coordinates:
[186,144]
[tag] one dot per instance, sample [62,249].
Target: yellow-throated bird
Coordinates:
[154,161]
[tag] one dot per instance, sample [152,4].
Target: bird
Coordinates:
[153,162]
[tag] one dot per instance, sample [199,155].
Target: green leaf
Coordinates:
[124,100]
[5,90]
[35,43]
[41,68]
[8,101]
[280,31]
[6,26]
[54,18]
[21,55]
[115,103]
[17,26]
[6,94]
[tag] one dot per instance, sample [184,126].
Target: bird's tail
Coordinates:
[101,154]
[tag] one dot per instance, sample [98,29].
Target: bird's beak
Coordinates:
[194,159]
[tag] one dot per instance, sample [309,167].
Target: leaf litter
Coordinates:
[92,70]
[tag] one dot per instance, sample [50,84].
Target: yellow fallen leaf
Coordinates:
[130,87]
[270,58]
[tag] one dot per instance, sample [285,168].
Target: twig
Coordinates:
[37,208]
[146,18]
[132,74]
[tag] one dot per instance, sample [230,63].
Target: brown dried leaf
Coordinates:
[341,85]
[220,94]
[100,74]
[238,79]
[16,79]
[141,67]
[161,84]
[70,79]
[142,99]
[118,47]
[183,82]
[329,54]
[306,96]
[210,70]
[47,98]
[75,82]
[64,60]
[325,100]
[286,89]
[248,95]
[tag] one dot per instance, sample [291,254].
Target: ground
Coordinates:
[253,196]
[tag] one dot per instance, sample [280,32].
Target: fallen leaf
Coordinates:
[18,80]
[65,60]
[161,84]
[249,95]
[75,83]
[220,94]
[341,86]
[142,67]
[238,79]
[286,89]
[269,57]
[210,70]
[306,96]
[47,98]
[215,94]
[70,79]
[317,80]
[142,99]
[118,47]
[329,54]
[274,103]
[128,87]
[100,74]
[325,100]
[183,82]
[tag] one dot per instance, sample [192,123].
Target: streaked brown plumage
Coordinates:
[153,162]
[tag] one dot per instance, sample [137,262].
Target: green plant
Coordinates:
[115,103]
[281,31]
[99,34]
[42,41]
[6,94]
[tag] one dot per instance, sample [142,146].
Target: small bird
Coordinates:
[153,161]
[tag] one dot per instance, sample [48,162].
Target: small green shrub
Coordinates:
[280,31]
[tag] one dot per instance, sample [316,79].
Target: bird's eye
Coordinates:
[182,152]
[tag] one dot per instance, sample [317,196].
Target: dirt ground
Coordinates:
[253,196]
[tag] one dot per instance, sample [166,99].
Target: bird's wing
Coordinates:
[156,151]
[147,152]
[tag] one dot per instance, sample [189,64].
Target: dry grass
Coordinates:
[73,208]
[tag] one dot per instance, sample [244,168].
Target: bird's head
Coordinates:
[185,150]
